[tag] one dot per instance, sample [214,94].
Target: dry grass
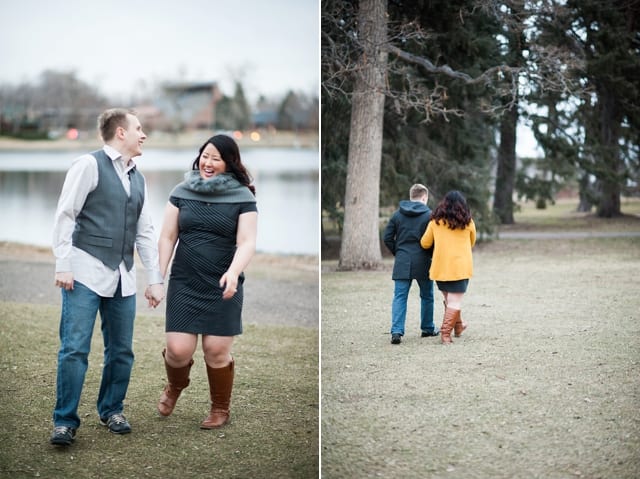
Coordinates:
[274,428]
[562,216]
[544,383]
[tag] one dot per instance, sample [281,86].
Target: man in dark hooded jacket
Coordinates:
[402,237]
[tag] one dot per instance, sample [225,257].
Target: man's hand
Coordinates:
[154,294]
[65,280]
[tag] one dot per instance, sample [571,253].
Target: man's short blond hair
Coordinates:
[110,120]
[417,191]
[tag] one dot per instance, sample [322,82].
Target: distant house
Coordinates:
[152,118]
[189,106]
[265,118]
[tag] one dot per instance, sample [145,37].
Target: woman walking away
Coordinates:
[212,216]
[452,233]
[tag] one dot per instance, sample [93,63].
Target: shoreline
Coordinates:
[161,140]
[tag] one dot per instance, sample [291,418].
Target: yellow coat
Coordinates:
[452,258]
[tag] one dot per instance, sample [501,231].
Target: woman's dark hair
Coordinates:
[453,210]
[230,153]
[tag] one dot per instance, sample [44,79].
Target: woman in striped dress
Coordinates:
[212,217]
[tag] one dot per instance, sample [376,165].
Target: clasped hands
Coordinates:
[154,294]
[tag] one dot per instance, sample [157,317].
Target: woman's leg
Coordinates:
[180,348]
[454,300]
[217,350]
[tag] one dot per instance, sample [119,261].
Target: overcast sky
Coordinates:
[118,46]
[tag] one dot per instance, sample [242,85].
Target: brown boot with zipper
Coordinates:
[451,316]
[220,386]
[178,380]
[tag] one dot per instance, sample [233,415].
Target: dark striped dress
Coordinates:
[206,245]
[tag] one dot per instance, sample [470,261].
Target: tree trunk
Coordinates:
[506,172]
[360,247]
[585,195]
[609,180]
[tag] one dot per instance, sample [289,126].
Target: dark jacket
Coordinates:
[402,237]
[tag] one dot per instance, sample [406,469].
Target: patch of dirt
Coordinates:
[280,290]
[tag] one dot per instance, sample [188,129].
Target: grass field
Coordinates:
[274,414]
[563,216]
[543,384]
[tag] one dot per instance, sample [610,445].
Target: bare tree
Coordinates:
[355,51]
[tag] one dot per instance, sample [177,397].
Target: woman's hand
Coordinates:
[229,282]
[154,294]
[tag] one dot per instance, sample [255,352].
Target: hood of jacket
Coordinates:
[413,208]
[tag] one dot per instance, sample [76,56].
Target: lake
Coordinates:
[286,180]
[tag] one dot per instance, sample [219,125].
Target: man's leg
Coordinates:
[399,305]
[118,314]
[426,307]
[77,318]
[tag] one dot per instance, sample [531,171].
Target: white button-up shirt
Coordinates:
[82,179]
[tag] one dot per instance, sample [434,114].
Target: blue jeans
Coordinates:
[399,305]
[79,309]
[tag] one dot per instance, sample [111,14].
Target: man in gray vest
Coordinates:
[101,218]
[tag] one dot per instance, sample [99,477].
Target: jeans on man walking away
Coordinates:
[399,305]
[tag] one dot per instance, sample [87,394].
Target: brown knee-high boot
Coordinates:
[450,318]
[178,380]
[459,326]
[220,386]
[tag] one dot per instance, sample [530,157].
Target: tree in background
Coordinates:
[297,112]
[233,113]
[242,110]
[59,100]
[594,131]
[354,65]
[454,149]
[361,212]
[335,114]
[611,43]
[56,102]
[513,46]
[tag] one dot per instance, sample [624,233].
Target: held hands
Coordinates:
[64,280]
[154,294]
[229,282]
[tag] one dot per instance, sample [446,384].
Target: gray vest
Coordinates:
[107,224]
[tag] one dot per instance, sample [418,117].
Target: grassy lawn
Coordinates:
[563,216]
[543,384]
[274,413]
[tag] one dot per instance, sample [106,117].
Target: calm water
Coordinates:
[286,182]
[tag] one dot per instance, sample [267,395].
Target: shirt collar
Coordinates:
[112,152]
[115,155]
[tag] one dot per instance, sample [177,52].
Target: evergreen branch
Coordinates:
[485,77]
